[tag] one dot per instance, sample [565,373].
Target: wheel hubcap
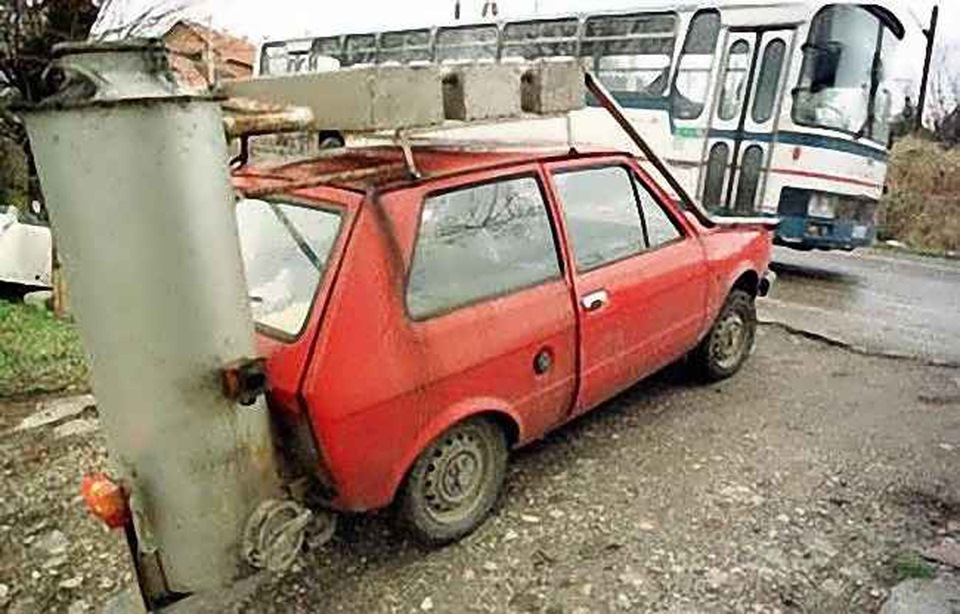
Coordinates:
[455,476]
[729,341]
[459,475]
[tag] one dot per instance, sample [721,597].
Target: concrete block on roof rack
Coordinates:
[408,96]
[354,99]
[554,85]
[479,91]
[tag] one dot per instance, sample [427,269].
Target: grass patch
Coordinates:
[910,565]
[920,207]
[38,353]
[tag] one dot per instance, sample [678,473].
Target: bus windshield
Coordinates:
[841,84]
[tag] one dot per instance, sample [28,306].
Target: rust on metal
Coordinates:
[246,117]
[386,170]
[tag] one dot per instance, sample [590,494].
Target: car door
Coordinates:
[487,294]
[639,274]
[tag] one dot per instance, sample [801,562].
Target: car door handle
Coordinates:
[595,300]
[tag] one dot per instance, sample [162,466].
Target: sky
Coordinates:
[257,20]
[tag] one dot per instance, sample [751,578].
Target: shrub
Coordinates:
[922,205]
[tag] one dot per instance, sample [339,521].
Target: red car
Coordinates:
[418,328]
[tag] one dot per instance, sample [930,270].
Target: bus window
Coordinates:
[405,46]
[749,179]
[716,173]
[839,81]
[735,80]
[467,43]
[325,52]
[360,49]
[537,39]
[273,58]
[696,62]
[631,53]
[768,85]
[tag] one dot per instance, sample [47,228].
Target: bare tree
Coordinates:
[119,20]
[29,29]
[944,106]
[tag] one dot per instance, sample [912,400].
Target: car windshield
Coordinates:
[842,83]
[285,249]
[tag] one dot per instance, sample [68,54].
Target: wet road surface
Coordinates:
[874,301]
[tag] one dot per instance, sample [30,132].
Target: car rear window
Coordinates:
[481,242]
[285,249]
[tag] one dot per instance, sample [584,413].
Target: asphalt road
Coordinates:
[872,300]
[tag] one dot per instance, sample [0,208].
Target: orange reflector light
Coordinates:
[106,500]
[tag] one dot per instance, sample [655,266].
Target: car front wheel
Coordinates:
[730,341]
[454,483]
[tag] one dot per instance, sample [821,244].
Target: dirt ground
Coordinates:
[802,485]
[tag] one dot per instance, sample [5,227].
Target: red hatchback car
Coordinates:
[416,329]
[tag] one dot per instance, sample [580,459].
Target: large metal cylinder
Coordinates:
[135,174]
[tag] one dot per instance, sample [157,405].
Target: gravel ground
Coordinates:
[802,485]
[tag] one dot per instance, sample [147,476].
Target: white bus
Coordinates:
[760,108]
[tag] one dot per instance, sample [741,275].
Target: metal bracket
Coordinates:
[244,380]
[243,157]
[402,140]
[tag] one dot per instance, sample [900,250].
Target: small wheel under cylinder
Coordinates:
[274,535]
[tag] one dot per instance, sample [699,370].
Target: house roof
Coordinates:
[188,43]
[229,48]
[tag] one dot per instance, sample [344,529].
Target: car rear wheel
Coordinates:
[730,341]
[454,483]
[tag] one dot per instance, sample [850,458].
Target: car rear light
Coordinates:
[106,500]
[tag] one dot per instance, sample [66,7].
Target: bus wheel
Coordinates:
[454,483]
[330,139]
[730,341]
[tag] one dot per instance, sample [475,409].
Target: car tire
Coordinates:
[730,340]
[454,483]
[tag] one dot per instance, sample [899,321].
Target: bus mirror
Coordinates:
[826,64]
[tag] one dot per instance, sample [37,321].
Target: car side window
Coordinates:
[661,229]
[600,209]
[481,242]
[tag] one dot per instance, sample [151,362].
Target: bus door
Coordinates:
[747,102]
